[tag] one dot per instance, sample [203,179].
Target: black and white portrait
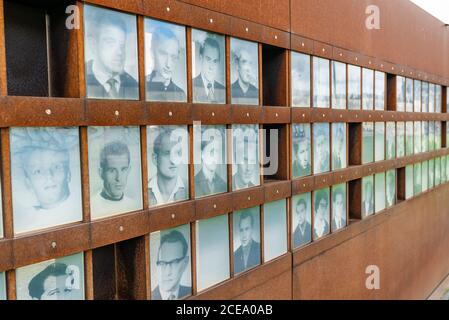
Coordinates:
[409,148]
[338,85]
[400,139]
[208,65]
[2,286]
[115,176]
[321,83]
[168,158]
[431,136]
[354,87]
[210,159]
[367,142]
[425,136]
[437,171]
[321,148]
[431,176]
[300,74]
[437,135]
[245,150]
[390,148]
[417,96]
[301,158]
[321,213]
[379,90]
[367,196]
[45,177]
[212,251]
[390,188]
[400,93]
[425,96]
[338,145]
[438,98]
[56,279]
[301,220]
[110,54]
[409,99]
[379,141]
[424,176]
[417,178]
[339,206]
[431,97]
[275,229]
[1,214]
[367,89]
[379,192]
[165,61]
[417,136]
[170,264]
[244,72]
[409,181]
[246,233]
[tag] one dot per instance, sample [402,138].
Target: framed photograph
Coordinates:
[409,147]
[379,141]
[45,177]
[379,192]
[321,213]
[400,93]
[417,175]
[409,182]
[321,83]
[212,251]
[417,136]
[300,74]
[438,98]
[437,135]
[168,159]
[338,85]
[165,61]
[2,286]
[301,219]
[417,96]
[424,176]
[210,163]
[425,136]
[400,139]
[56,279]
[367,196]
[390,188]
[443,169]
[437,171]
[245,155]
[208,67]
[354,87]
[1,215]
[115,175]
[447,168]
[244,72]
[447,131]
[321,148]
[367,89]
[246,242]
[379,87]
[390,148]
[275,229]
[425,96]
[367,142]
[111,63]
[301,147]
[339,207]
[431,97]
[431,169]
[339,149]
[431,135]
[170,264]
[409,100]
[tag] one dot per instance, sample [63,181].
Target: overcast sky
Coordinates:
[437,8]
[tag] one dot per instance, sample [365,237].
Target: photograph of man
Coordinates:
[107,46]
[165,52]
[300,69]
[367,196]
[367,142]
[338,145]
[321,149]
[172,262]
[400,139]
[338,85]
[391,188]
[169,160]
[301,150]
[1,214]
[321,216]
[247,254]
[354,87]
[211,178]
[390,148]
[417,179]
[321,79]
[338,207]
[209,69]
[2,286]
[245,154]
[302,233]
[244,72]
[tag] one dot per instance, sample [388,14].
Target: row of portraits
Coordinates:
[418,96]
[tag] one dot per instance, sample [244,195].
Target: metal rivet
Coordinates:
[48,111]
[247,114]
[211,20]
[117,112]
[402,70]
[324,50]
[215,206]
[356,59]
[302,44]
[303,185]
[246,29]
[249,198]
[324,115]
[341,54]
[168,9]
[277,191]
[173,215]
[381,116]
[53,244]
[381,65]
[170,113]
[276,37]
[276,114]
[369,116]
[369,62]
[213,114]
[356,115]
[303,115]
[341,116]
[392,68]
[324,180]
[341,177]
[120,228]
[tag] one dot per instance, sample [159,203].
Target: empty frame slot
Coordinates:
[401,184]
[355,144]
[274,76]
[355,199]
[391,92]
[275,154]
[104,273]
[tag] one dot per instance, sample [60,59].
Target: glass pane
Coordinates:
[417,175]
[367,196]
[301,219]
[379,100]
[379,200]
[300,73]
[321,80]
[409,138]
[301,158]
[367,142]
[400,93]
[245,165]
[409,100]
[321,217]
[338,145]
[379,143]
[400,139]
[339,206]
[321,148]
[354,87]
[424,176]
[391,140]
[338,85]
[408,182]
[368,89]
[275,229]
[417,96]
[390,187]
[417,137]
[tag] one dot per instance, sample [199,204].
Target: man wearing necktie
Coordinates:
[338,209]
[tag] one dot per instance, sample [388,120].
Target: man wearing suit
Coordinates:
[391,188]
[248,254]
[205,87]
[338,209]
[106,77]
[321,222]
[242,91]
[172,262]
[321,146]
[245,157]
[303,231]
[368,202]
[301,149]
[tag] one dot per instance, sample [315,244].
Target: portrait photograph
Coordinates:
[210,162]
[339,149]
[379,93]
[431,135]
[379,141]
[45,177]
[425,136]
[300,74]
[425,97]
[424,176]
[400,139]
[409,100]
[417,96]
[165,61]
[390,148]
[55,279]
[367,89]
[245,155]
[321,83]
[2,286]
[208,67]
[408,181]
[400,93]
[447,131]
[115,175]
[379,192]
[390,188]
[301,219]
[301,147]
[246,239]
[111,63]
[447,168]
[168,159]
[417,136]
[437,135]
[339,207]
[437,171]
[367,142]
[244,72]
[431,172]
[417,179]
[321,148]
[1,213]
[409,147]
[354,87]
[431,97]
[443,169]
[367,196]
[170,264]
[212,251]
[321,213]
[438,98]
[275,229]
[338,85]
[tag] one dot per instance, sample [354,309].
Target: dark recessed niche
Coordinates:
[355,199]
[391,92]
[400,184]
[275,153]
[274,74]
[104,273]
[354,144]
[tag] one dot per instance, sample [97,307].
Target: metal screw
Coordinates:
[173,215]
[275,37]
[215,206]
[213,114]
[170,113]
[246,29]
[277,115]
[120,228]
[168,9]
[249,198]
[117,112]
[247,114]
[211,20]
[48,111]
[53,244]
[302,44]
[277,191]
